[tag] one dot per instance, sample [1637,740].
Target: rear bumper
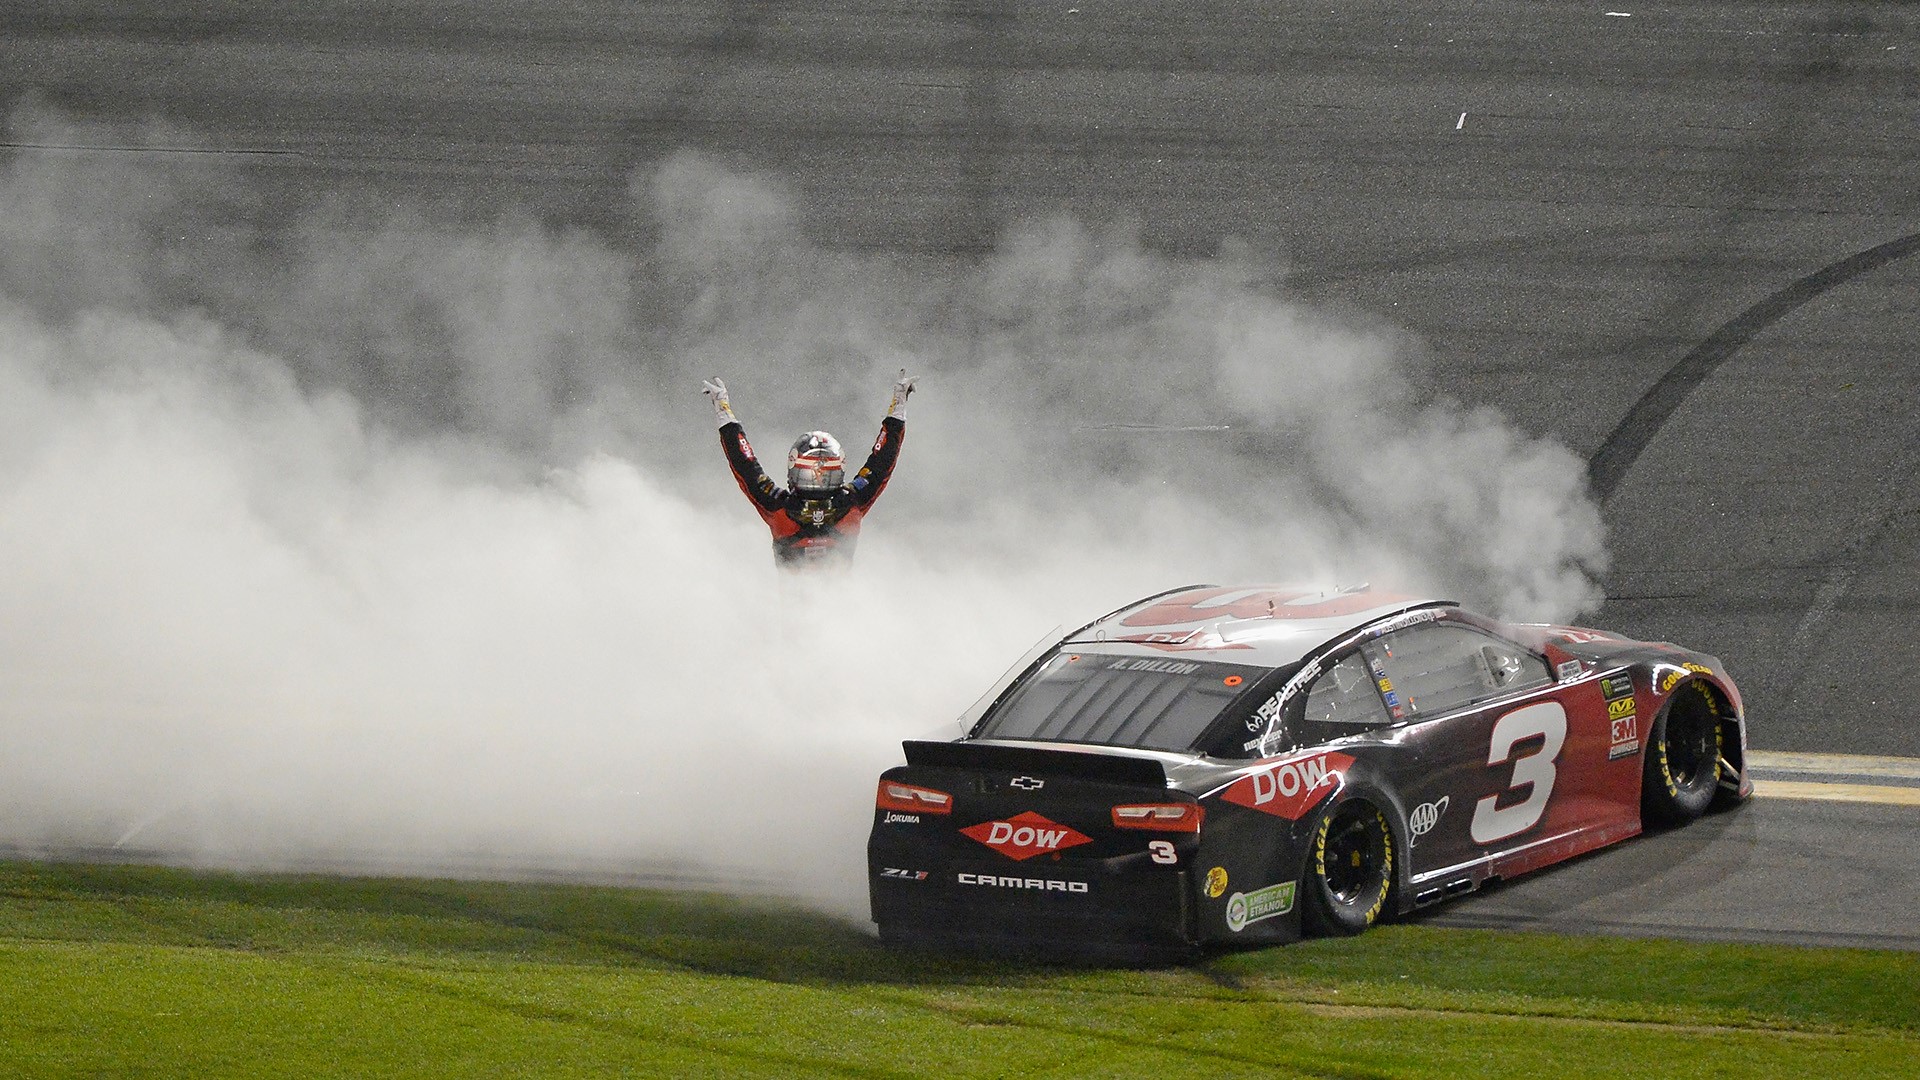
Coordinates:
[1058,907]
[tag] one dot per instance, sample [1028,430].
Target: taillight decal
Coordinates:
[1025,835]
[1159,817]
[912,798]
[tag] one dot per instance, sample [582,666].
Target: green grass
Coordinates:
[122,971]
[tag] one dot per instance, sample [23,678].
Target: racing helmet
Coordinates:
[815,463]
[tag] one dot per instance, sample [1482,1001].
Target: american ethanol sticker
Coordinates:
[1244,908]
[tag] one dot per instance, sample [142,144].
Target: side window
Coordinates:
[1437,667]
[1343,698]
[1513,668]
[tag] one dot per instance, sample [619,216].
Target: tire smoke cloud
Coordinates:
[399,541]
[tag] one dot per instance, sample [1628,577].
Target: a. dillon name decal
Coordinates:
[1290,788]
[1170,667]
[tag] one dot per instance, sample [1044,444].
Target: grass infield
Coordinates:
[138,971]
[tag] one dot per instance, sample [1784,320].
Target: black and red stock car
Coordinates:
[1245,765]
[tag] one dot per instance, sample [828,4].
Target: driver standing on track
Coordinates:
[816,518]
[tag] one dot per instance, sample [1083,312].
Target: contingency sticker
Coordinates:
[1616,686]
[1244,908]
[1216,882]
[1624,736]
[1386,690]
[1623,726]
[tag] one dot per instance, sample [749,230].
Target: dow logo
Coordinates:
[1025,835]
[1290,788]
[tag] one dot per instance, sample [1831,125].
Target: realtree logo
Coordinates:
[1025,835]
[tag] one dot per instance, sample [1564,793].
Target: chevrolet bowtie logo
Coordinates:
[1029,783]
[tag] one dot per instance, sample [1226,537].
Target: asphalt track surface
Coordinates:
[1679,239]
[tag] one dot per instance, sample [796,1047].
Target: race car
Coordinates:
[1246,765]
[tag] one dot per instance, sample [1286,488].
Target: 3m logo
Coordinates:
[1289,789]
[1624,737]
[1025,835]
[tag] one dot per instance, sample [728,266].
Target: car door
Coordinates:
[1487,729]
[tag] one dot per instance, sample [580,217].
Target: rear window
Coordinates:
[1150,702]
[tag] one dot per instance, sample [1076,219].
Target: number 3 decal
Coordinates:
[1546,718]
[1163,851]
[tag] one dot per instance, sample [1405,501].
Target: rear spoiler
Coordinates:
[1109,768]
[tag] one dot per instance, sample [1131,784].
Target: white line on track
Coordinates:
[1872,793]
[1848,765]
[1835,764]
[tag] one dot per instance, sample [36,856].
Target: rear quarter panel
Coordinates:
[1259,827]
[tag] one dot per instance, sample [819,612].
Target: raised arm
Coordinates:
[753,480]
[872,478]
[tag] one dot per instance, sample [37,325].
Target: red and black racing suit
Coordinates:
[811,528]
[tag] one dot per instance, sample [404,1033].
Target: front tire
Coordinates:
[1683,758]
[1349,871]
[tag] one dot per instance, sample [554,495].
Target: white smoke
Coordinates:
[410,539]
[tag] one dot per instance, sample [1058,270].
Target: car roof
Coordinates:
[1264,625]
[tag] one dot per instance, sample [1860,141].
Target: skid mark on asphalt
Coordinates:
[1895,483]
[1764,170]
[1624,445]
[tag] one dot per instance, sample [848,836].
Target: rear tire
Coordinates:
[1682,758]
[1349,871]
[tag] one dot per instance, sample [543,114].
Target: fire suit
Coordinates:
[813,528]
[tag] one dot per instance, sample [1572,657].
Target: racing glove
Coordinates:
[716,392]
[902,389]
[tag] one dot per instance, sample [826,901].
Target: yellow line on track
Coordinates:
[1867,793]
[1898,768]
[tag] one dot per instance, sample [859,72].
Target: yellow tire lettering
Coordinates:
[1386,869]
[1320,848]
